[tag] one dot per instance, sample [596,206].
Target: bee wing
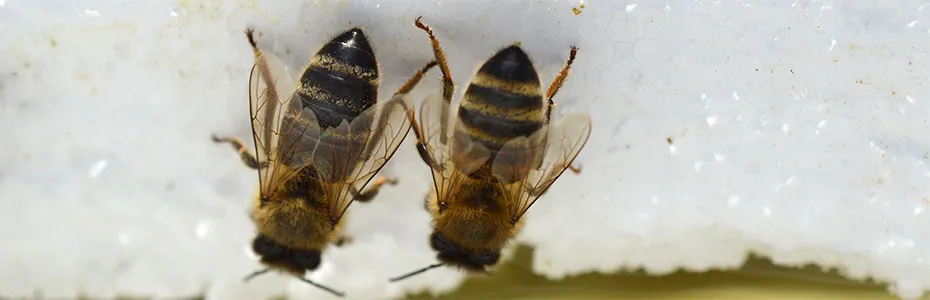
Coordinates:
[270,91]
[348,157]
[451,166]
[552,149]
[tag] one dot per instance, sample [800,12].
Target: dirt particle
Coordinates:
[577,10]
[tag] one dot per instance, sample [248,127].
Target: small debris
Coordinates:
[577,10]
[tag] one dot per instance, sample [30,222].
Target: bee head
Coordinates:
[296,262]
[292,260]
[450,253]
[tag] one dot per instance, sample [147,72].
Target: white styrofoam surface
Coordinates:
[799,130]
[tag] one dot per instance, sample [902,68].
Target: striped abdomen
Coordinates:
[503,101]
[340,83]
[341,80]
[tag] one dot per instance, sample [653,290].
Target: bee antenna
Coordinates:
[405,276]
[323,287]
[256,273]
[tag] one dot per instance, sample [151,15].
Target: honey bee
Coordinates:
[498,157]
[318,143]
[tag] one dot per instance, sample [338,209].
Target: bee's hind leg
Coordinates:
[415,79]
[421,147]
[560,78]
[554,88]
[247,157]
[372,191]
[448,87]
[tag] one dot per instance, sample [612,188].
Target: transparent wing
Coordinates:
[299,138]
[349,156]
[454,160]
[556,148]
[270,90]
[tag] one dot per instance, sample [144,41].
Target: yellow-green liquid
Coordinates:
[758,279]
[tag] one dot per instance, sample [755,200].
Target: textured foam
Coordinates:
[794,129]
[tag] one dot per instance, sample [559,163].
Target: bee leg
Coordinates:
[560,79]
[421,147]
[249,35]
[554,88]
[448,87]
[413,81]
[247,157]
[557,83]
[372,191]
[407,87]
[576,170]
[342,241]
